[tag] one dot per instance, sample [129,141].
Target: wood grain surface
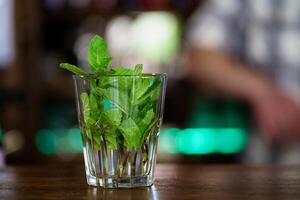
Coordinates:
[173,181]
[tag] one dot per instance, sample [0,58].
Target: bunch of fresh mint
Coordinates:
[120,107]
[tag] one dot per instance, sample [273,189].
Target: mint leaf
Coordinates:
[145,124]
[88,121]
[109,121]
[122,71]
[145,90]
[95,102]
[131,133]
[86,109]
[142,86]
[138,69]
[111,118]
[107,81]
[136,83]
[119,98]
[74,69]
[127,72]
[151,92]
[111,140]
[98,56]
[147,119]
[96,138]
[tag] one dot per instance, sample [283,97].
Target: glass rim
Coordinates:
[163,75]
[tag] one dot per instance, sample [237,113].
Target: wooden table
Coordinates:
[172,182]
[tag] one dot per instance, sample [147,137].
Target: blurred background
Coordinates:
[38,122]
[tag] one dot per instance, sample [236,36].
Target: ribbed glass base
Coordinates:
[112,182]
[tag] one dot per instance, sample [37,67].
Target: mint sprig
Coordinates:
[119,109]
[74,69]
[98,56]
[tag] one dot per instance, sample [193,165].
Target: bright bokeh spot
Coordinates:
[165,141]
[231,140]
[75,141]
[195,141]
[155,35]
[118,43]
[199,141]
[13,141]
[60,141]
[46,142]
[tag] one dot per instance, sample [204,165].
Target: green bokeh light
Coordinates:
[165,139]
[183,141]
[231,140]
[203,140]
[46,142]
[75,141]
[195,141]
[51,142]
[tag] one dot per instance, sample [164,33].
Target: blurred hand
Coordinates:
[278,116]
[217,73]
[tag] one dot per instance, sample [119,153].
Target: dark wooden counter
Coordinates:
[172,182]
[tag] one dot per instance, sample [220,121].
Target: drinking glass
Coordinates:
[120,118]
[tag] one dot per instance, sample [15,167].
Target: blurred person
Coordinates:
[249,49]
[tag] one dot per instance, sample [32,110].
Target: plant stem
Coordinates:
[106,155]
[133,164]
[124,158]
[145,156]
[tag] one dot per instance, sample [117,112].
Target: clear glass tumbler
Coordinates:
[120,117]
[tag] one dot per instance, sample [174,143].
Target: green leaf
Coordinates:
[111,118]
[93,101]
[98,56]
[131,133]
[122,71]
[126,71]
[151,92]
[138,69]
[95,108]
[89,122]
[145,124]
[86,109]
[107,81]
[109,121]
[111,140]
[74,69]
[147,119]
[96,138]
[119,98]
[145,90]
[142,86]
